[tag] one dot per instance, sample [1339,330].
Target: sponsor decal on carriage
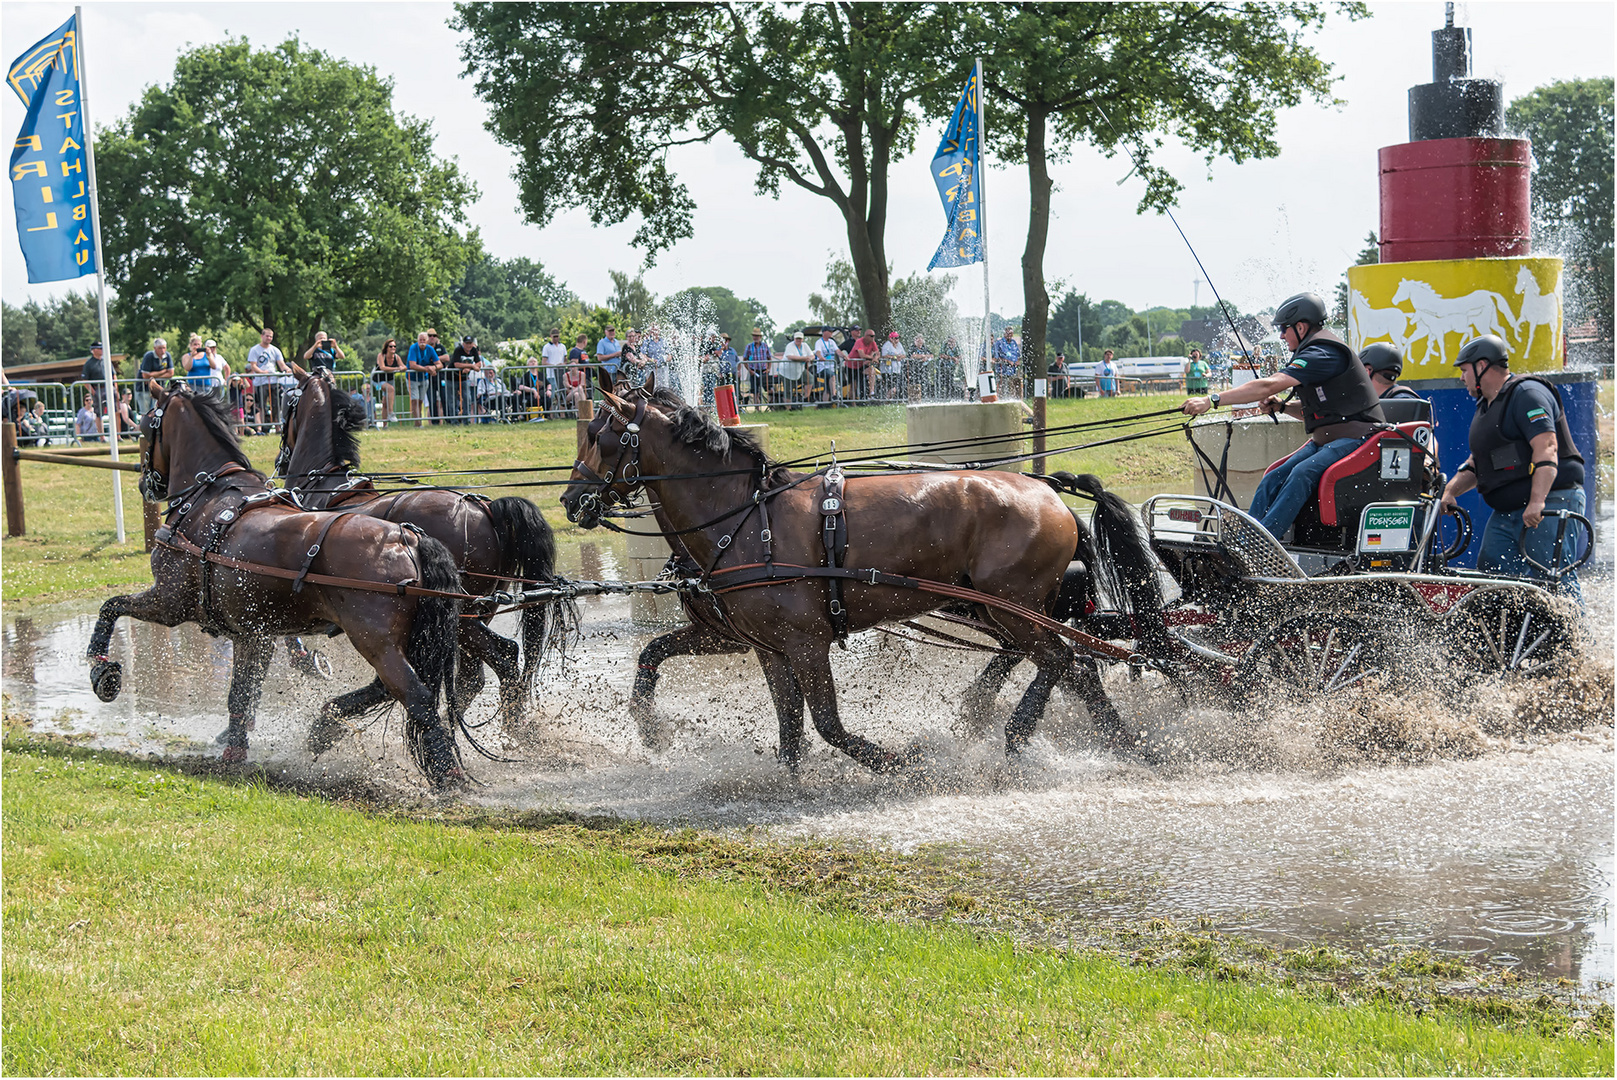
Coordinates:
[1187,514]
[1386,528]
[1441,597]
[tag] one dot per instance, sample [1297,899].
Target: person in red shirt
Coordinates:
[863,357]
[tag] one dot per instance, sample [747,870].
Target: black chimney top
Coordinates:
[1454,105]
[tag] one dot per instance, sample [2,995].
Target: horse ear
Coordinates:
[651,382]
[604,377]
[618,403]
[299,374]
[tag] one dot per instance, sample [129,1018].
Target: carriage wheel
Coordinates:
[1316,655]
[1512,630]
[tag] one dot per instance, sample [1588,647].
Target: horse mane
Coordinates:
[347,418]
[696,429]
[215,416]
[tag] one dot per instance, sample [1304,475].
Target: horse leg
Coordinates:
[1025,717]
[813,669]
[692,640]
[1082,681]
[484,646]
[788,697]
[980,695]
[250,660]
[328,727]
[107,675]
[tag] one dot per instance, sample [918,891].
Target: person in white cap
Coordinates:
[218,368]
[792,366]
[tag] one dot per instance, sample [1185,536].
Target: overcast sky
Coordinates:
[1263,229]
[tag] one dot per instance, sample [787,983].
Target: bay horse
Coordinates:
[490,540]
[236,558]
[1003,534]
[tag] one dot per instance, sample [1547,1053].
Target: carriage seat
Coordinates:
[1391,466]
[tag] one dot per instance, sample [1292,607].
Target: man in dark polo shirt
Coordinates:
[1332,394]
[1523,461]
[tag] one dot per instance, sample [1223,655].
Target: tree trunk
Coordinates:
[1035,300]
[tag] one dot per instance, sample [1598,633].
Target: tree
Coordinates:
[60,329]
[842,303]
[279,189]
[1120,76]
[921,305]
[508,301]
[816,94]
[690,310]
[1570,124]
[630,296]
[1368,256]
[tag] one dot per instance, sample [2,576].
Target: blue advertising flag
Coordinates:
[48,177]
[955,169]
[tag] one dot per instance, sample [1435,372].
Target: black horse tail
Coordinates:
[1124,562]
[528,550]
[432,649]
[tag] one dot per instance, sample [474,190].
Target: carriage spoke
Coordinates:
[1516,657]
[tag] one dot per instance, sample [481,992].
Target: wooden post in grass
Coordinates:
[1040,399]
[11,476]
[586,413]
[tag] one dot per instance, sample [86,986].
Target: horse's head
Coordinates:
[153,452]
[609,463]
[1525,280]
[316,430]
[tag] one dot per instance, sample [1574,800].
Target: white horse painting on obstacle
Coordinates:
[1373,323]
[1538,309]
[1472,315]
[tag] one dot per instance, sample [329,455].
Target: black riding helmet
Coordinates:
[1382,358]
[1304,307]
[1490,347]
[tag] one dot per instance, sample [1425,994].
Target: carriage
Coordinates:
[1363,586]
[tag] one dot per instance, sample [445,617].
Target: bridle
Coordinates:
[153,484]
[625,467]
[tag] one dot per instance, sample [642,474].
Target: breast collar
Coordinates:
[627,466]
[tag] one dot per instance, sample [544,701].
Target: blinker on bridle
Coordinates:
[602,433]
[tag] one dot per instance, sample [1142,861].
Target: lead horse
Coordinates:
[490,540]
[236,558]
[734,511]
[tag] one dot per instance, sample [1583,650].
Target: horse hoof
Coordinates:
[450,780]
[234,755]
[323,735]
[107,679]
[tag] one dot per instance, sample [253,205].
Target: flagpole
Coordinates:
[108,387]
[982,220]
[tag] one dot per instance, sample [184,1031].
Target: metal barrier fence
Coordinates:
[520,394]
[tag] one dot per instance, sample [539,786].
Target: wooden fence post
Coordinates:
[1039,403]
[11,476]
[586,413]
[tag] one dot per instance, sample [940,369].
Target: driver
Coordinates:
[1523,461]
[1385,364]
[1337,403]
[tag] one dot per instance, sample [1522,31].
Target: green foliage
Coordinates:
[277,188]
[1369,255]
[506,301]
[730,314]
[1570,124]
[592,322]
[841,304]
[1122,77]
[632,297]
[921,305]
[59,329]
[820,95]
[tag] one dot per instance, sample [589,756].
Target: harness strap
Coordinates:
[754,575]
[176,542]
[834,538]
[309,557]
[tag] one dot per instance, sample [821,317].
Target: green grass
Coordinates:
[161,923]
[71,544]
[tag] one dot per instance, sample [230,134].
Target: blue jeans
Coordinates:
[1282,493]
[1501,540]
